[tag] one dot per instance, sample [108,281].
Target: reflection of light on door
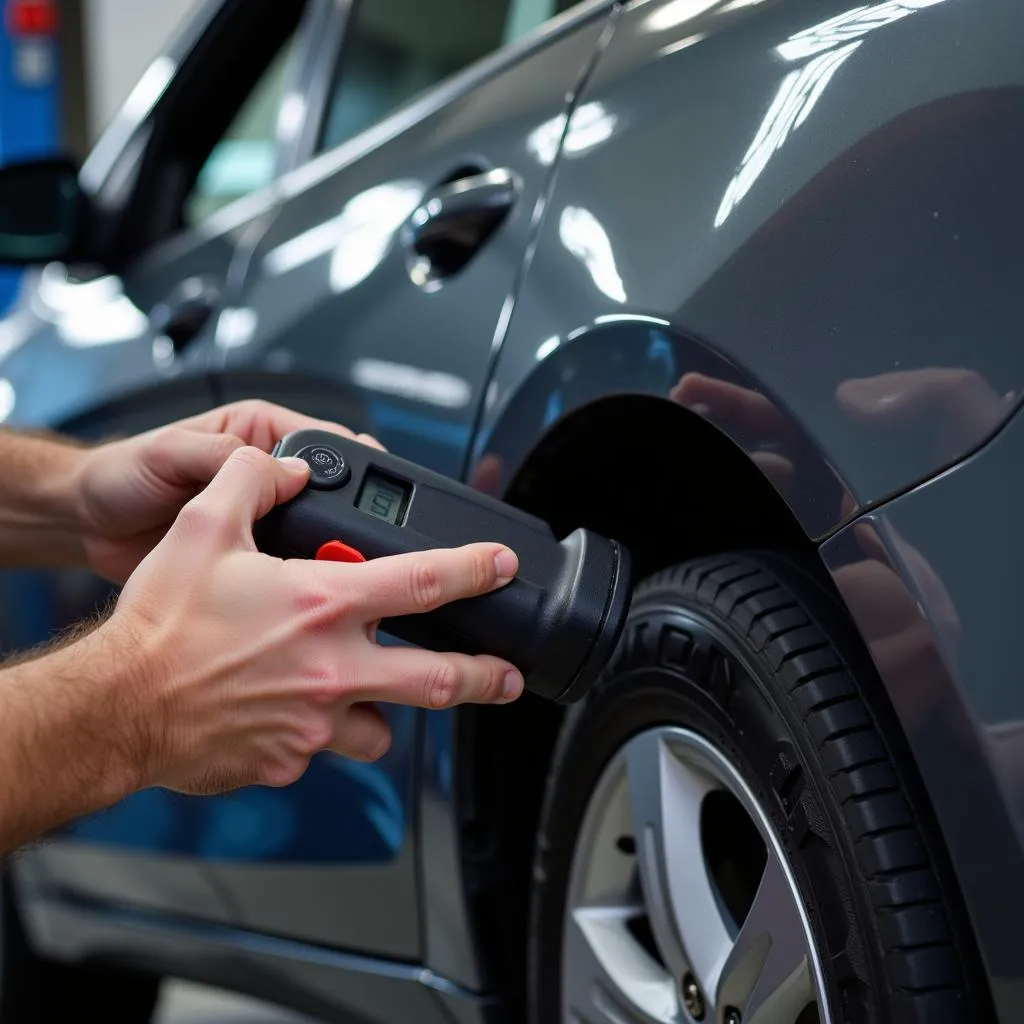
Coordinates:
[236,327]
[829,44]
[583,236]
[591,124]
[676,12]
[88,313]
[367,225]
[681,44]
[545,348]
[431,386]
[357,239]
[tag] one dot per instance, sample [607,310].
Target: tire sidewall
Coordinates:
[679,665]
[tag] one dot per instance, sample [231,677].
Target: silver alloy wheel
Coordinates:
[681,904]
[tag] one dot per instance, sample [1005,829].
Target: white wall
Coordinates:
[121,38]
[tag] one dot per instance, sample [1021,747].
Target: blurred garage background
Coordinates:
[66,66]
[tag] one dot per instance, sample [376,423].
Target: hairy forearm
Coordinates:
[38,512]
[67,745]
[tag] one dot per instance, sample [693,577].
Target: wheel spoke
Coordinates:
[767,975]
[686,920]
[609,977]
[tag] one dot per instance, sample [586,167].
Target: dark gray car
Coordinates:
[737,282]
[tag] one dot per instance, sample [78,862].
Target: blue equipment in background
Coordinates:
[29,95]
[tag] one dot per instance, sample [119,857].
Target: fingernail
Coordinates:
[513,686]
[506,564]
[294,465]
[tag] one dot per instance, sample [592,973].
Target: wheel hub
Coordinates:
[682,905]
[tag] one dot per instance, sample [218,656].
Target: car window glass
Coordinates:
[396,49]
[244,159]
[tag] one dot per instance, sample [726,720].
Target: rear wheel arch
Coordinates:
[570,479]
[574,477]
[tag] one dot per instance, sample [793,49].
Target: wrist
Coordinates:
[58,494]
[117,665]
[40,500]
[100,679]
[70,739]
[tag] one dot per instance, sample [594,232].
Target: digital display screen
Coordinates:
[384,498]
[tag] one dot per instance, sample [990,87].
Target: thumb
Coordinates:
[247,487]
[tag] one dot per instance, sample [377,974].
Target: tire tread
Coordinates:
[924,969]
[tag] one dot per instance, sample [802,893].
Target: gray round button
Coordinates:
[327,466]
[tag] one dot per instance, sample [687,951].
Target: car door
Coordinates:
[167,181]
[116,354]
[374,299]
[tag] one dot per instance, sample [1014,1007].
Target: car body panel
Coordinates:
[332,309]
[332,986]
[782,187]
[864,227]
[935,583]
[99,332]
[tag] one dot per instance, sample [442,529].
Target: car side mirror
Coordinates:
[41,211]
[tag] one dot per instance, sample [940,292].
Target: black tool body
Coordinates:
[557,621]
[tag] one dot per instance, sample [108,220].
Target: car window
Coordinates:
[396,49]
[244,160]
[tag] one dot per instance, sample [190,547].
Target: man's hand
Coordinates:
[247,665]
[223,667]
[127,493]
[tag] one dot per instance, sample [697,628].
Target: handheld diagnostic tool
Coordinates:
[557,621]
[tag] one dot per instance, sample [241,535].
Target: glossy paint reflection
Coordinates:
[793,103]
[583,236]
[590,125]
[863,279]
[85,313]
[674,13]
[824,47]
[950,406]
[357,240]
[106,333]
[944,408]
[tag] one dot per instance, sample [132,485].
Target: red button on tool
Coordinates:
[335,551]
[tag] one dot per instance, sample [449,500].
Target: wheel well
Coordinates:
[575,477]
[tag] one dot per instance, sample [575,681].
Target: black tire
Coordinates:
[767,679]
[38,991]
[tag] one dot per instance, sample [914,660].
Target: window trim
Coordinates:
[306,47]
[323,32]
[136,113]
[330,161]
[110,170]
